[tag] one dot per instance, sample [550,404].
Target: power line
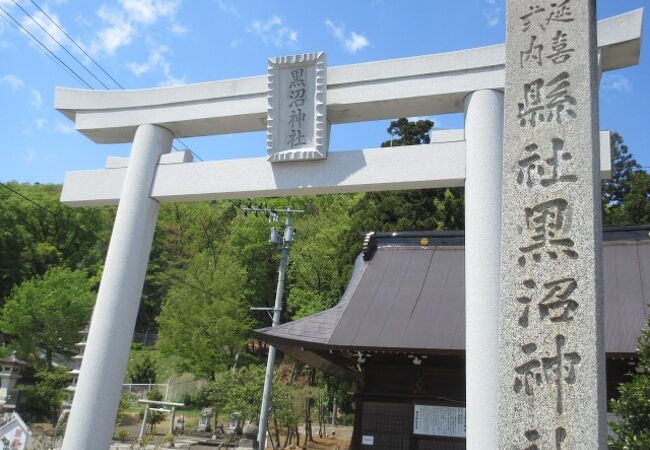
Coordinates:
[25,30]
[77,45]
[41,47]
[17,24]
[92,59]
[24,197]
[59,43]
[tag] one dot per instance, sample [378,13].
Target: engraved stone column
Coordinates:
[551,374]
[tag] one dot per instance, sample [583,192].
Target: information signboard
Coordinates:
[439,421]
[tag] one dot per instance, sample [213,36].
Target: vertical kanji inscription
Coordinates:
[551,359]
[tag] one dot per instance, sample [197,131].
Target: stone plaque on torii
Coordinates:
[470,81]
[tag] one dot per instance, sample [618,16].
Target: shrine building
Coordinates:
[399,332]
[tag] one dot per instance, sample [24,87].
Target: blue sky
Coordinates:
[146,43]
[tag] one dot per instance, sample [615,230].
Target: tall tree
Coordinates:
[204,323]
[626,196]
[406,132]
[37,232]
[43,315]
[422,209]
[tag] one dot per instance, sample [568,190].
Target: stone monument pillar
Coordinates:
[551,376]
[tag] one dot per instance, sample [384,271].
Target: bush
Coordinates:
[142,369]
[633,405]
[154,417]
[43,400]
[122,434]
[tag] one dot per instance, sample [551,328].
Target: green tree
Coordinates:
[633,405]
[182,231]
[406,132]
[142,368]
[626,196]
[204,323]
[321,260]
[422,209]
[40,233]
[43,400]
[153,417]
[44,315]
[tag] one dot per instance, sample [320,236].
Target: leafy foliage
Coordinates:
[142,368]
[33,239]
[45,314]
[626,197]
[422,209]
[633,405]
[406,132]
[43,400]
[203,322]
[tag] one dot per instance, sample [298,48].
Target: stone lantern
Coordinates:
[10,369]
[74,373]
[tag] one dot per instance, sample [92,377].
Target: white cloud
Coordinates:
[118,32]
[148,11]
[36,99]
[615,82]
[355,42]
[29,154]
[352,42]
[492,13]
[156,58]
[274,31]
[63,128]
[13,81]
[227,7]
[44,30]
[171,80]
[40,123]
[178,30]
[122,24]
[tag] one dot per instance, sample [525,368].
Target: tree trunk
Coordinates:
[261,444]
[277,431]
[48,356]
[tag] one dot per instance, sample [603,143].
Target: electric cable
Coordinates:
[59,43]
[14,23]
[77,45]
[24,197]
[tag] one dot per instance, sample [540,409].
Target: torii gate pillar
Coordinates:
[90,425]
[484,155]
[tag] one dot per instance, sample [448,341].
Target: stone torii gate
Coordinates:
[470,81]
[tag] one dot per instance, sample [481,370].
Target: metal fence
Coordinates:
[145,338]
[178,391]
[140,390]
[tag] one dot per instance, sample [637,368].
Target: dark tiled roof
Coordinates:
[407,297]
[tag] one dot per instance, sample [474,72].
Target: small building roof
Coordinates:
[13,360]
[407,294]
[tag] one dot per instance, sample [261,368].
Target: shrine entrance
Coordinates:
[469,82]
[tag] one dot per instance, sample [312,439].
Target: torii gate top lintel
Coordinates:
[406,87]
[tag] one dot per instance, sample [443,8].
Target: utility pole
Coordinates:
[287,239]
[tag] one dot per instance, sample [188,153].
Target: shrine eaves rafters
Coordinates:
[423,85]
